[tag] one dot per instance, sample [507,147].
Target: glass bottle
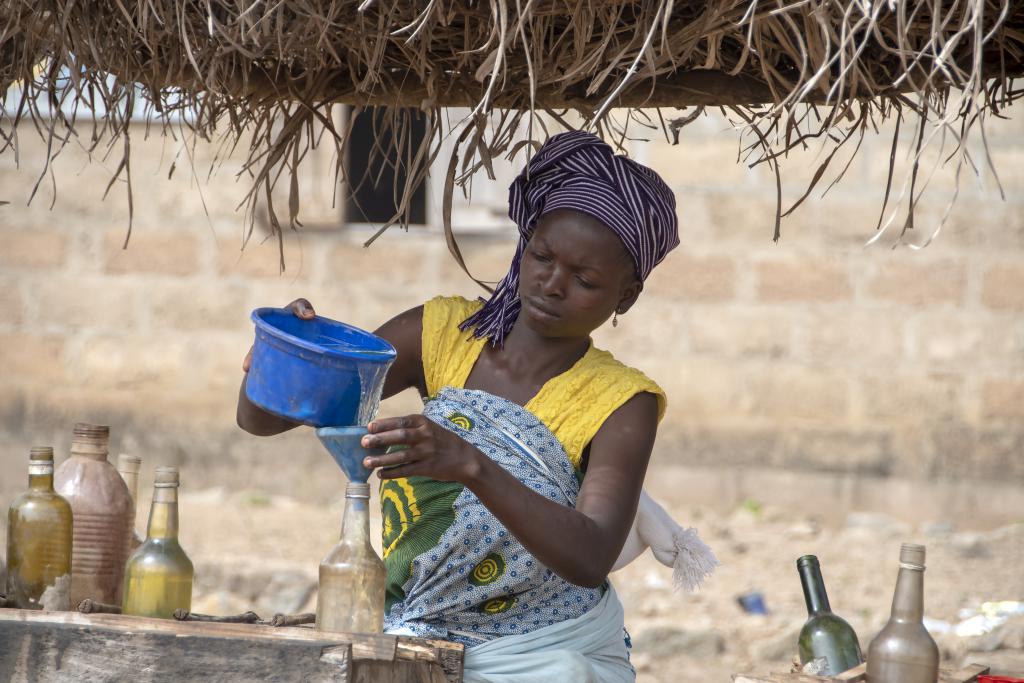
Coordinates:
[39,540]
[158,576]
[350,598]
[101,507]
[824,636]
[903,651]
[128,467]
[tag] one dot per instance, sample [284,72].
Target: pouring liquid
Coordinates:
[371,386]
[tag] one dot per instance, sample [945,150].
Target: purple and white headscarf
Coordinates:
[579,171]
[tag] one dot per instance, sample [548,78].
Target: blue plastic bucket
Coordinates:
[318,372]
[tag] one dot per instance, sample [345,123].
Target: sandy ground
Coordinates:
[257,551]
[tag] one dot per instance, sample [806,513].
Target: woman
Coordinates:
[514,492]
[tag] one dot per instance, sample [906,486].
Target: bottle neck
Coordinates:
[40,475]
[91,449]
[908,600]
[163,515]
[131,479]
[355,525]
[814,588]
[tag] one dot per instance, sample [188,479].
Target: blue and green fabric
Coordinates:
[454,571]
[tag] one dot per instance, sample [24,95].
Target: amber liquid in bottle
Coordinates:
[128,467]
[903,651]
[101,507]
[39,541]
[352,577]
[158,576]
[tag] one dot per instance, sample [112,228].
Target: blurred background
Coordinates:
[825,396]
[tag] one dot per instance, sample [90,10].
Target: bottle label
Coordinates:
[911,565]
[36,467]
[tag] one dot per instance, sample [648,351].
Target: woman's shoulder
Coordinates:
[444,308]
[621,378]
[577,403]
[607,363]
[447,358]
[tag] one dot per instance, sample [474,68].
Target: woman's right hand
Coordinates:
[252,418]
[301,308]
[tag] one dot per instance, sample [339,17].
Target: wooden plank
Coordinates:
[43,652]
[968,674]
[779,678]
[120,643]
[857,674]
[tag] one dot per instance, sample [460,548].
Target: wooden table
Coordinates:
[60,646]
[968,674]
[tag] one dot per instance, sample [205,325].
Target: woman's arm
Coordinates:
[404,332]
[579,544]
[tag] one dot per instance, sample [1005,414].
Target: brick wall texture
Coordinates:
[814,353]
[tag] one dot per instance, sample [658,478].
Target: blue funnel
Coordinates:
[343,445]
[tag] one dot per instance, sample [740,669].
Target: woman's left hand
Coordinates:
[432,451]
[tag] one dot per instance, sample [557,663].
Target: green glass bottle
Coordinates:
[39,529]
[158,575]
[825,636]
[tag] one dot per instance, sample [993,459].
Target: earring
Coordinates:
[615,319]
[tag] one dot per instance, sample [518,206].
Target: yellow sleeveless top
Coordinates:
[573,405]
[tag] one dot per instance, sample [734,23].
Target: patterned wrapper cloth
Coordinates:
[454,570]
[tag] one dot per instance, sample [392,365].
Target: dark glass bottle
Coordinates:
[39,541]
[903,651]
[825,636]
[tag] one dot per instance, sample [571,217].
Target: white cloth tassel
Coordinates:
[682,549]
[694,560]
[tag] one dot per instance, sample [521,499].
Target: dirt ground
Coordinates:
[257,551]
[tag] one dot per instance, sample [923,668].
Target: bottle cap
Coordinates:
[128,463]
[40,460]
[85,430]
[91,441]
[807,560]
[166,477]
[41,453]
[912,556]
[357,490]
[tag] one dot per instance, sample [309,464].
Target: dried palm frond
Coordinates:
[269,72]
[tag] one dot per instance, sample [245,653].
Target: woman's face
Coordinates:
[574,274]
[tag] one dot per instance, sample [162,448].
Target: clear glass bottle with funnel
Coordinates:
[327,374]
[352,577]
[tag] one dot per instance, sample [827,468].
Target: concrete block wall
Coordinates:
[813,353]
[818,352]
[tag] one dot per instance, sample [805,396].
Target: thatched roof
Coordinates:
[789,72]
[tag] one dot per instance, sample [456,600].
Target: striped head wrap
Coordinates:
[578,171]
